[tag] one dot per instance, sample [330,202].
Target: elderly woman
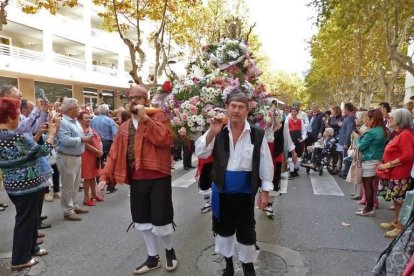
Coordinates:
[90,159]
[336,119]
[396,166]
[371,145]
[22,178]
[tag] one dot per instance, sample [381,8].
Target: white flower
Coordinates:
[232,54]
[190,123]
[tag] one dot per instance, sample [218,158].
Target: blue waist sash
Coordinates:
[234,183]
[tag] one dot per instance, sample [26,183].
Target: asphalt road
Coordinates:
[307,223]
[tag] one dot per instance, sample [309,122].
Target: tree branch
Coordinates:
[3,13]
[131,48]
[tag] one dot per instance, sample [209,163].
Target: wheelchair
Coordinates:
[323,157]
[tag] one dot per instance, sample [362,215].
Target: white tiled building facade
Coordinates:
[67,54]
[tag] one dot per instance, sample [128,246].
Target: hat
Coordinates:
[237,95]
[137,90]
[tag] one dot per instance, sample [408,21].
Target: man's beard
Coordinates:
[132,109]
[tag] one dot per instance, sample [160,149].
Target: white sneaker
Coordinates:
[48,197]
[269,211]
[206,208]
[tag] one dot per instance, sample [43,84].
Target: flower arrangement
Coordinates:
[188,117]
[202,94]
[231,52]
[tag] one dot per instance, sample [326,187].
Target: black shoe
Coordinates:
[228,272]
[343,176]
[291,175]
[43,217]
[151,263]
[111,189]
[186,168]
[171,259]
[248,269]
[80,189]
[44,226]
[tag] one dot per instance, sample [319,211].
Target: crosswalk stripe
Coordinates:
[325,184]
[185,181]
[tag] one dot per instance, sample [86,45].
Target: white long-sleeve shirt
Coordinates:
[241,155]
[288,143]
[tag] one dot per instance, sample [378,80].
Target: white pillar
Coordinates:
[47,44]
[87,6]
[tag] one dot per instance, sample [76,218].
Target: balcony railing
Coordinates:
[17,58]
[105,70]
[20,53]
[69,62]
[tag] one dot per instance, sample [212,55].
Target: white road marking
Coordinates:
[185,180]
[325,184]
[178,165]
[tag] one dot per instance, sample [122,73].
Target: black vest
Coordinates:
[221,154]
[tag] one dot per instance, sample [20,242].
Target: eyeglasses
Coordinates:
[136,98]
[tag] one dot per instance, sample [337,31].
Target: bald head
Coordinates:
[137,91]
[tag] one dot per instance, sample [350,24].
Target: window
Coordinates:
[8,81]
[90,97]
[108,98]
[53,91]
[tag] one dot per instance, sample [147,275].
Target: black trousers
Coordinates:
[236,217]
[177,149]
[106,147]
[187,153]
[151,201]
[277,175]
[42,193]
[205,177]
[25,227]
[55,178]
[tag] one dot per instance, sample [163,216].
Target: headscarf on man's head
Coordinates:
[237,95]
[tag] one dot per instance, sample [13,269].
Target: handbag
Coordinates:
[383,174]
[355,171]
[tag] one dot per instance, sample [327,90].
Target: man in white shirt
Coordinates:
[242,164]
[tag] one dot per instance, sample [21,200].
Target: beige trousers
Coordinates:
[70,176]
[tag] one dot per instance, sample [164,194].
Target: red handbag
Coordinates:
[383,174]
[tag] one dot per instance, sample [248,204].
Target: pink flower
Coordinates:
[193,110]
[184,116]
[253,104]
[177,121]
[182,131]
[176,111]
[194,100]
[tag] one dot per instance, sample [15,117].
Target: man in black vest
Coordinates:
[242,164]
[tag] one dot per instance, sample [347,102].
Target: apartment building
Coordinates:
[67,54]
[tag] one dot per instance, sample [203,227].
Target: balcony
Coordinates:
[58,66]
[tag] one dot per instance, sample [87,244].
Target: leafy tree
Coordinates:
[371,37]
